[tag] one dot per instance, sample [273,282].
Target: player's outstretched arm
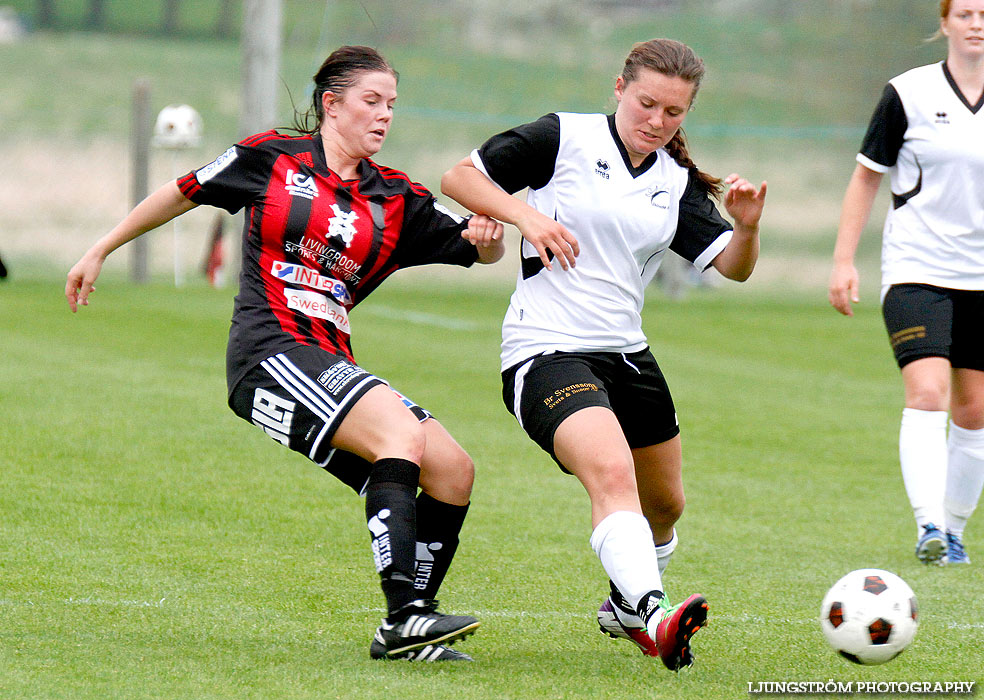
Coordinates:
[858,200]
[157,209]
[472,189]
[744,203]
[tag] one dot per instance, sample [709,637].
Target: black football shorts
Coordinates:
[300,397]
[546,389]
[927,321]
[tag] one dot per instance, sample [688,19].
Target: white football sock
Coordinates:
[624,544]
[665,551]
[964,476]
[922,453]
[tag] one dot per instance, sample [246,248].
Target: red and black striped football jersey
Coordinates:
[314,245]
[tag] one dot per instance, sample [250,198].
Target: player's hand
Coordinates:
[549,238]
[743,201]
[482,231]
[843,288]
[81,279]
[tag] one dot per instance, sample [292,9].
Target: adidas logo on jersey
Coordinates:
[301,185]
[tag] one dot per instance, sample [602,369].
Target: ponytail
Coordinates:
[677,148]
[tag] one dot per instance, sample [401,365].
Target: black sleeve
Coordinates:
[886,131]
[524,156]
[432,233]
[231,181]
[699,223]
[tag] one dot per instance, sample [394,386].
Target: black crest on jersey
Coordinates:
[941,118]
[657,201]
[531,266]
[899,200]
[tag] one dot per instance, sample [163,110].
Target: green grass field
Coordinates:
[152,545]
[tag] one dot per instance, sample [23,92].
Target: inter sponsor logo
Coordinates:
[206,173]
[382,553]
[300,274]
[318,306]
[425,563]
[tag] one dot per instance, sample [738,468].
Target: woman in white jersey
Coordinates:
[928,133]
[608,196]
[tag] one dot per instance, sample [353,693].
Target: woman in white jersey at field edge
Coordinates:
[928,133]
[608,196]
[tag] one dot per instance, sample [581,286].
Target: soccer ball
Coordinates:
[869,616]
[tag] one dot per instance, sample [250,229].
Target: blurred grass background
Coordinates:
[788,92]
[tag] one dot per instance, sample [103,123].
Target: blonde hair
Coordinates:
[945,6]
[676,60]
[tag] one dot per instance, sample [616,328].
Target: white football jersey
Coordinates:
[930,139]
[624,219]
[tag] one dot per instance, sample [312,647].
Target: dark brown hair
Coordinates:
[677,60]
[336,74]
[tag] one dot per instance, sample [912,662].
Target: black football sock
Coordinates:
[391,513]
[438,525]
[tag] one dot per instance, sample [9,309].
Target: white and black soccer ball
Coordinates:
[869,616]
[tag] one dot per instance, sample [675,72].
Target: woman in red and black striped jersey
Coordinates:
[324,226]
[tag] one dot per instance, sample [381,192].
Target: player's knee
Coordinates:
[969,413]
[450,478]
[415,441]
[615,477]
[927,397]
[665,510]
[405,440]
[461,476]
[927,393]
